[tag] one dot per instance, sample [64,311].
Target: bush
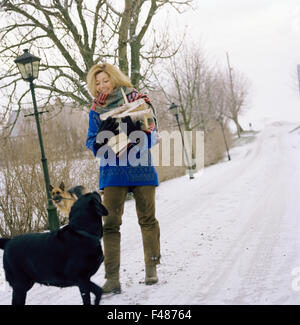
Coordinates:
[23,199]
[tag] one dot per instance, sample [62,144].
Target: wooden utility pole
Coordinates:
[231,81]
[298,72]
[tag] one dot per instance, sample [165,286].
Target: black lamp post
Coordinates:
[174,109]
[29,69]
[220,120]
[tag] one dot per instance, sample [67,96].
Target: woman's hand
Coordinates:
[109,124]
[131,126]
[103,137]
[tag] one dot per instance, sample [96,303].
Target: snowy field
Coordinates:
[230,236]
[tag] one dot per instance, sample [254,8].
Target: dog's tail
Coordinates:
[3,242]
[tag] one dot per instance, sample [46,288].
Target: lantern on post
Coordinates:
[174,109]
[28,66]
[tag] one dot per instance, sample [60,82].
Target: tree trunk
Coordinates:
[239,129]
[135,63]
[123,37]
[136,40]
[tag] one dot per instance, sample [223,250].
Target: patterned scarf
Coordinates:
[104,103]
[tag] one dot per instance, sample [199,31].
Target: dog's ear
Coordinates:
[50,187]
[62,186]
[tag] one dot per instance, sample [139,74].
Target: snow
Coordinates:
[229,236]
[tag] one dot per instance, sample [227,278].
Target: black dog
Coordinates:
[65,257]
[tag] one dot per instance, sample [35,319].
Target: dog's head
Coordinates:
[96,202]
[57,193]
[86,213]
[89,204]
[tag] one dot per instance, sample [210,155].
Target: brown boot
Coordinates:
[111,263]
[114,198]
[112,285]
[151,275]
[145,208]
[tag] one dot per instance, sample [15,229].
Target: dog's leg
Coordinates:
[97,291]
[19,296]
[85,292]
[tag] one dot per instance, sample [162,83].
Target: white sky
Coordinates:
[262,38]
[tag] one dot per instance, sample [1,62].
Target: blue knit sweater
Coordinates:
[133,168]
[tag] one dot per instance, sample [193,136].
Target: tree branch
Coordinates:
[51,35]
[150,15]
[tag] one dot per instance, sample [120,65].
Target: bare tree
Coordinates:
[184,83]
[70,36]
[207,99]
[133,28]
[221,101]
[238,87]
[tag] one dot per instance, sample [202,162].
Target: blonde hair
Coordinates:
[117,77]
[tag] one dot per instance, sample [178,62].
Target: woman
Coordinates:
[121,174]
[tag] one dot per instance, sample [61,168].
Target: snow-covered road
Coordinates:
[230,236]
